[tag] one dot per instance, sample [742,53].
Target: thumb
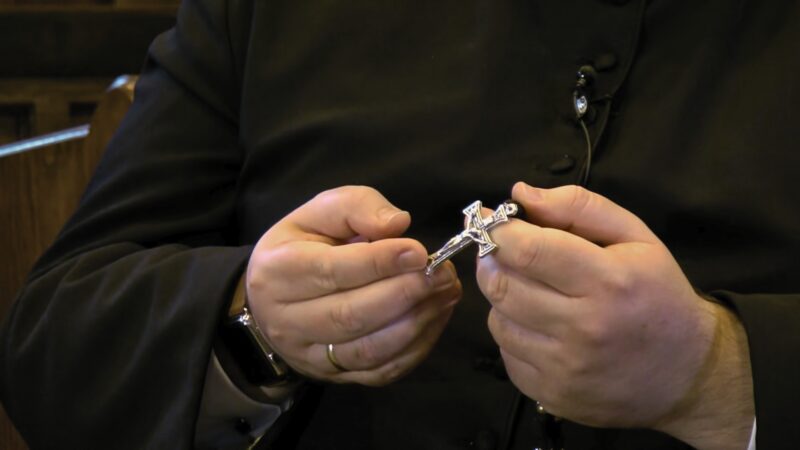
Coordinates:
[350,212]
[581,212]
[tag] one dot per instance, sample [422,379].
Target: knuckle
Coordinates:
[499,329]
[345,319]
[360,192]
[456,292]
[366,352]
[255,282]
[267,264]
[595,333]
[409,330]
[492,323]
[448,291]
[419,330]
[574,367]
[579,201]
[329,196]
[496,286]
[274,334]
[579,198]
[338,195]
[378,267]
[279,327]
[324,272]
[617,283]
[264,262]
[531,251]
[354,193]
[392,372]
[408,294]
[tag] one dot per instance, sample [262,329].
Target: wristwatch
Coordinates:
[248,347]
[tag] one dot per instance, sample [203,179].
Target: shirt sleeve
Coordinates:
[752,444]
[229,419]
[771,322]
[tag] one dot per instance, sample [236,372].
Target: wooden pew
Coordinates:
[41,182]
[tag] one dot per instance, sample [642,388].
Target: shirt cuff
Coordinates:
[229,419]
[752,444]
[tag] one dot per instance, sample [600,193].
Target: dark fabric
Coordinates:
[247,110]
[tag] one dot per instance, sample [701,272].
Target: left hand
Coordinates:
[593,315]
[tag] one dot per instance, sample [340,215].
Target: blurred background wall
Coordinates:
[57,58]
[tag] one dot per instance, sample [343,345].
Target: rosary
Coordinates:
[476,229]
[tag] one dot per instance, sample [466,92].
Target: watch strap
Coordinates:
[247,345]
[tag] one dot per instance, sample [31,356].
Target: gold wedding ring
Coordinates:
[332,358]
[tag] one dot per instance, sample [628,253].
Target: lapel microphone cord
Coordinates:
[583,174]
[581,102]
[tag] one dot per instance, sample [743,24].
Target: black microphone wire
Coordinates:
[583,174]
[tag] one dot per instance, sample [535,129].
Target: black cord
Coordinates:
[583,174]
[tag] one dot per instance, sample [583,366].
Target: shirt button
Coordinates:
[562,165]
[242,426]
[605,61]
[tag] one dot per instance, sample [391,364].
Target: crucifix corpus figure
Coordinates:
[476,229]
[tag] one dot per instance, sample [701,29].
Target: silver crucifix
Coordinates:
[476,229]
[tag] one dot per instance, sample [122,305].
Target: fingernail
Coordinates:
[411,260]
[387,214]
[443,278]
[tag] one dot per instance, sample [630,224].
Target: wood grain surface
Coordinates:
[39,189]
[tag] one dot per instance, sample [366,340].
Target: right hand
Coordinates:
[335,271]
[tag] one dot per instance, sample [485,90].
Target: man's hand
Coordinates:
[335,271]
[596,321]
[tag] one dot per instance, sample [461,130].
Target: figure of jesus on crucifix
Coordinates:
[476,229]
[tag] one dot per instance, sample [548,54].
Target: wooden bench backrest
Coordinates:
[41,181]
